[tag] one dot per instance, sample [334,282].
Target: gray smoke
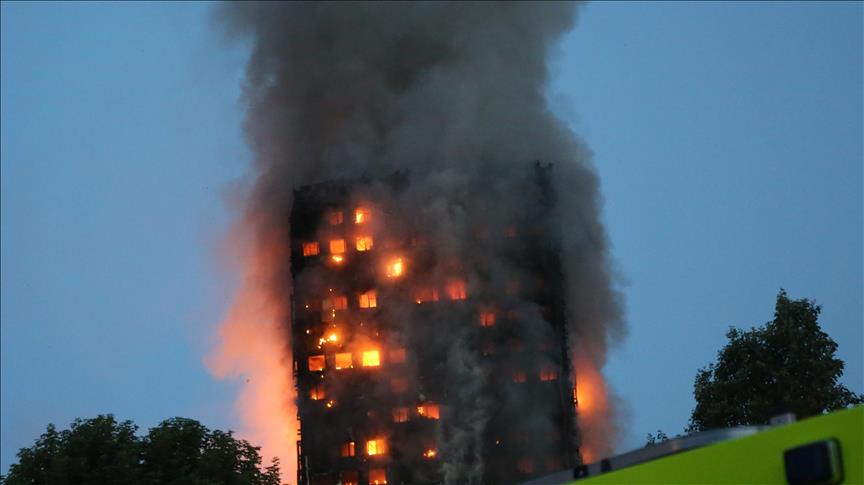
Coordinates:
[450,91]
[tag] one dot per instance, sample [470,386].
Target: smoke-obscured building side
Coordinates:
[429,342]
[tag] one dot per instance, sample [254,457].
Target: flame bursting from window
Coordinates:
[371,358]
[395,268]
[362,215]
[252,351]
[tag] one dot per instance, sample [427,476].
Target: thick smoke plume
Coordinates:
[452,93]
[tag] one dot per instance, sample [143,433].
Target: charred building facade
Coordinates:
[429,330]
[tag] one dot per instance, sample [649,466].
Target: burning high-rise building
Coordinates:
[448,305]
[413,354]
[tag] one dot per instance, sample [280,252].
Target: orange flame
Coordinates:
[592,411]
[253,349]
[361,215]
[395,268]
[371,358]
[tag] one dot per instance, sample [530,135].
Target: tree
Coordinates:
[102,451]
[652,439]
[787,365]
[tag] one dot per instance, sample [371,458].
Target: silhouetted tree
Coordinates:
[652,439]
[102,451]
[787,365]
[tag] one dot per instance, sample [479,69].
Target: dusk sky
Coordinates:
[727,136]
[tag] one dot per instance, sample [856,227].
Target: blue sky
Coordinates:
[728,137]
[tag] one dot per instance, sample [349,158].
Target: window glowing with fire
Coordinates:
[395,268]
[456,290]
[362,215]
[364,243]
[368,299]
[376,447]
[343,360]
[311,249]
[371,358]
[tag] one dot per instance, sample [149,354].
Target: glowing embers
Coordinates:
[395,268]
[377,476]
[362,215]
[311,249]
[347,449]
[312,304]
[429,411]
[430,454]
[316,363]
[487,318]
[456,289]
[548,373]
[376,447]
[371,358]
[368,299]
[363,243]
[330,338]
[343,361]
[425,295]
[337,250]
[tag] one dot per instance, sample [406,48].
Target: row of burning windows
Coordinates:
[455,290]
[374,447]
[367,299]
[399,385]
[372,358]
[362,215]
[337,247]
[378,447]
[345,360]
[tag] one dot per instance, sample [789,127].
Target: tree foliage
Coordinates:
[103,451]
[786,365]
[652,439]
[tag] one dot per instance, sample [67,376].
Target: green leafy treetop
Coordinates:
[787,365]
[102,451]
